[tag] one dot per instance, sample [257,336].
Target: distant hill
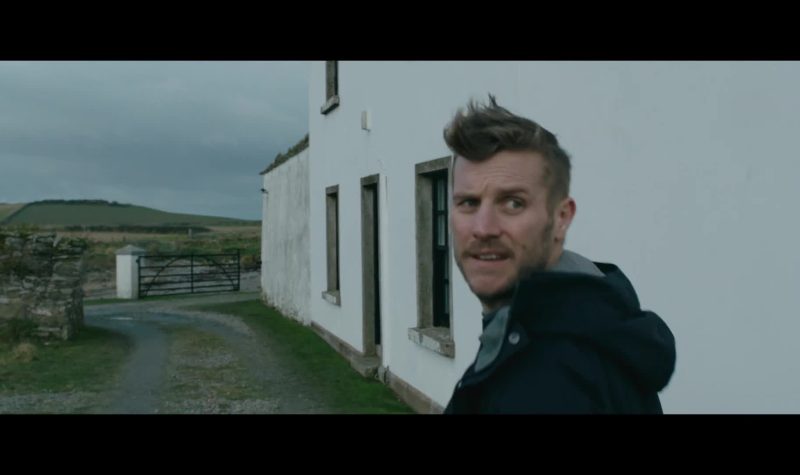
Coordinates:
[7,209]
[99,212]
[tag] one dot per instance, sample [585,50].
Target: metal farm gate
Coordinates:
[164,274]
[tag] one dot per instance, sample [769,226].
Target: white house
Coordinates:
[683,177]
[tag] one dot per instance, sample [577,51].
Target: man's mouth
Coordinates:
[490,256]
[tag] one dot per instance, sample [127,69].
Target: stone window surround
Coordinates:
[331,87]
[437,339]
[370,258]
[332,294]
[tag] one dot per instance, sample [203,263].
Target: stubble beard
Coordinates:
[537,263]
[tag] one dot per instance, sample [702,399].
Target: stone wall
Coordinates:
[40,281]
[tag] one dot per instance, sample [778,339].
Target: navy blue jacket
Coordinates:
[574,343]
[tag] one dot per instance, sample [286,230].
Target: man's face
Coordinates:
[501,226]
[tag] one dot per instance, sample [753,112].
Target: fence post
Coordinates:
[191,273]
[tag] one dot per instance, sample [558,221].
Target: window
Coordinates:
[332,244]
[441,251]
[370,266]
[433,258]
[331,86]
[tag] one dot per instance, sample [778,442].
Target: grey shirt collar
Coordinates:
[574,262]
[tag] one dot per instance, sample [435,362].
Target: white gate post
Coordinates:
[128,272]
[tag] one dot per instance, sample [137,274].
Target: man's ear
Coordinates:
[564,213]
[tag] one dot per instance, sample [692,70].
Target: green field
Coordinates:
[7,208]
[77,213]
[107,227]
[101,255]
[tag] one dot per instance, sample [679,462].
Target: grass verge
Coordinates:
[330,374]
[89,362]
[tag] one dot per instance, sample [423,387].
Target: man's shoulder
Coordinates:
[546,295]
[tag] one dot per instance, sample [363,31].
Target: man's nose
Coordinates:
[485,225]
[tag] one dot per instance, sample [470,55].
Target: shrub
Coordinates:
[24,352]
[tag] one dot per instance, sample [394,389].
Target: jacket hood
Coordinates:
[603,312]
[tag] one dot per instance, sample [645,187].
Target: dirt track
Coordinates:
[159,366]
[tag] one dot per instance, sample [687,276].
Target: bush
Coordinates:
[250,262]
[24,352]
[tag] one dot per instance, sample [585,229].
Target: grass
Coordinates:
[101,255]
[8,208]
[70,214]
[227,234]
[89,362]
[347,391]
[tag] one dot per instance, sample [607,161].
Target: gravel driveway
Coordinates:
[157,364]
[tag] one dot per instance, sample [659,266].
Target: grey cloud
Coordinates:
[181,130]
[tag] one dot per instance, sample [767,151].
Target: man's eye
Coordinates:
[514,203]
[469,203]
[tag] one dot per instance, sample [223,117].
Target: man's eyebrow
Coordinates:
[501,191]
[463,194]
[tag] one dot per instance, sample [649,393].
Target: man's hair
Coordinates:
[484,130]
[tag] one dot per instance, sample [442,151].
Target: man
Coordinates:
[561,334]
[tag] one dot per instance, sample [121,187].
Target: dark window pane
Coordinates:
[441,231]
[441,281]
[331,79]
[441,194]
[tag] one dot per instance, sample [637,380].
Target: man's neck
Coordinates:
[555,256]
[492,306]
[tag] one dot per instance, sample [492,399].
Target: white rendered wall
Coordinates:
[682,175]
[285,237]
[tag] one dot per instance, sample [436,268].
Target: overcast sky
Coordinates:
[186,137]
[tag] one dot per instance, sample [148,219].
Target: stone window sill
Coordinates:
[332,297]
[333,103]
[435,339]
